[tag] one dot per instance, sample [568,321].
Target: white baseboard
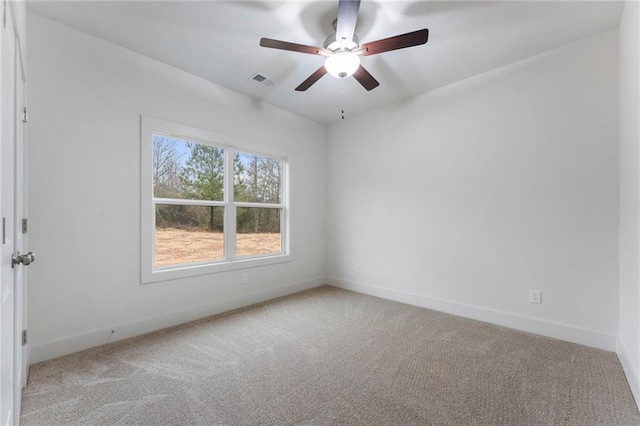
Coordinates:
[632,375]
[79,342]
[555,330]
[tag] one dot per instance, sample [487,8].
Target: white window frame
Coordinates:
[151,273]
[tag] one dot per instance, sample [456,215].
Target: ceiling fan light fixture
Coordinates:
[342,49]
[342,64]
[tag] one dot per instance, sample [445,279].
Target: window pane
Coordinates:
[258,231]
[256,179]
[187,170]
[188,234]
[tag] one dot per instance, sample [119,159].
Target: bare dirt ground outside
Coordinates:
[177,246]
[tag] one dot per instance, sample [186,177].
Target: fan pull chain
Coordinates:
[342,96]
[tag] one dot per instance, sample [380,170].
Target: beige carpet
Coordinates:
[329,356]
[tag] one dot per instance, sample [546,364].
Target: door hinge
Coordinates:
[4,14]
[24,337]
[4,230]
[25,115]
[24,226]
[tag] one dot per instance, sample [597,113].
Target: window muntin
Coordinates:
[213,207]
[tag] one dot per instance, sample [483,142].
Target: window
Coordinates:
[208,206]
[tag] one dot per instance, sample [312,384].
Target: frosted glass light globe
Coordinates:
[342,64]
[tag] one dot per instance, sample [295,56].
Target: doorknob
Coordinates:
[25,259]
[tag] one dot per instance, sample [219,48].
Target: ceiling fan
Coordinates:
[343,49]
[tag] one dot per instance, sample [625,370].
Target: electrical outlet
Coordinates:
[245,278]
[535,296]
[357,268]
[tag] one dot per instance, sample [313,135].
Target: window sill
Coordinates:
[186,271]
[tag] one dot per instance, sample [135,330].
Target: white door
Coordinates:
[20,240]
[12,294]
[7,170]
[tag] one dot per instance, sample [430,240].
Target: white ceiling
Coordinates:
[219,40]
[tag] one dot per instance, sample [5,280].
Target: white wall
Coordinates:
[86,97]
[629,341]
[465,198]
[462,199]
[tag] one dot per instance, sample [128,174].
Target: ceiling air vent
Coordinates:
[265,81]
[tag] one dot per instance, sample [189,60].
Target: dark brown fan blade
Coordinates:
[312,79]
[285,45]
[366,79]
[397,42]
[347,18]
